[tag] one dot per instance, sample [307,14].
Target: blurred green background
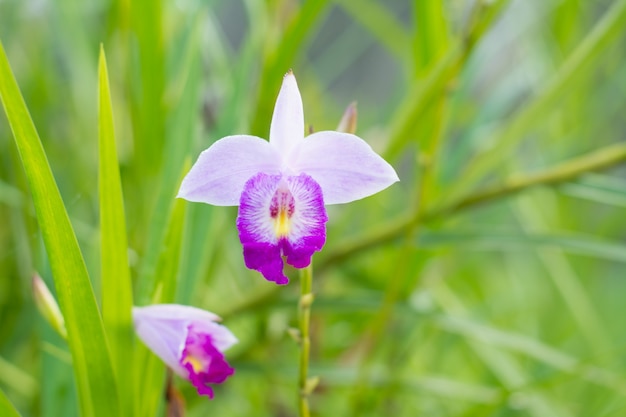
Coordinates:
[449,294]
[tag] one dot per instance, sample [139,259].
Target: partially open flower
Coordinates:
[281,186]
[188,340]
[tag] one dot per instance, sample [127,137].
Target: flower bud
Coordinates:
[348,120]
[47,306]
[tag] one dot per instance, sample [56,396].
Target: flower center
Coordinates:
[205,363]
[282,208]
[196,363]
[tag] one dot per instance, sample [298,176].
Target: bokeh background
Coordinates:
[446,295]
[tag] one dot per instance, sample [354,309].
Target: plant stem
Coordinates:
[304,316]
[599,159]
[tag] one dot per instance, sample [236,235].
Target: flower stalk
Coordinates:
[305,385]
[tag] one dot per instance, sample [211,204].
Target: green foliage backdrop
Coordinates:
[488,282]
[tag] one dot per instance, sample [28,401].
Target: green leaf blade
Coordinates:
[6,408]
[90,356]
[116,280]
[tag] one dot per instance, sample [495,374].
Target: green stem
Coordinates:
[600,159]
[608,28]
[304,316]
[597,160]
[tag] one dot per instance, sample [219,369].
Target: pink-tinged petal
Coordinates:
[165,338]
[281,216]
[287,127]
[204,362]
[344,165]
[221,337]
[175,312]
[263,257]
[219,174]
[188,340]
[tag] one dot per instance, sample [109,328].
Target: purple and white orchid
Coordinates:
[188,340]
[281,186]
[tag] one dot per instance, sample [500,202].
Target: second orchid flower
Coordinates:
[188,340]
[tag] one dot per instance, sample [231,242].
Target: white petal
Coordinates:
[163,328]
[219,174]
[221,337]
[344,165]
[166,338]
[287,128]
[175,312]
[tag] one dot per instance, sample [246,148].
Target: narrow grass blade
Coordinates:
[17,379]
[430,39]
[280,59]
[598,188]
[568,282]
[6,408]
[564,80]
[507,369]
[147,25]
[179,137]
[90,355]
[533,348]
[149,384]
[514,240]
[421,94]
[381,24]
[116,282]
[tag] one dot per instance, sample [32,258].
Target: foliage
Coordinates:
[488,282]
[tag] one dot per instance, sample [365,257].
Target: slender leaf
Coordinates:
[535,349]
[150,381]
[381,24]
[146,22]
[507,139]
[504,365]
[90,355]
[180,133]
[512,240]
[430,38]
[280,59]
[14,377]
[116,282]
[6,408]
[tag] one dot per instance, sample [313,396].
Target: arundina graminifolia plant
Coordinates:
[281,187]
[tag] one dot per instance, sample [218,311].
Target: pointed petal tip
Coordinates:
[287,125]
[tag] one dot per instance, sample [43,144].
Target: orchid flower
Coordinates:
[188,340]
[281,186]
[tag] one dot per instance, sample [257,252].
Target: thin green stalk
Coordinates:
[406,270]
[600,159]
[280,57]
[604,158]
[305,386]
[564,80]
[116,281]
[422,93]
[6,408]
